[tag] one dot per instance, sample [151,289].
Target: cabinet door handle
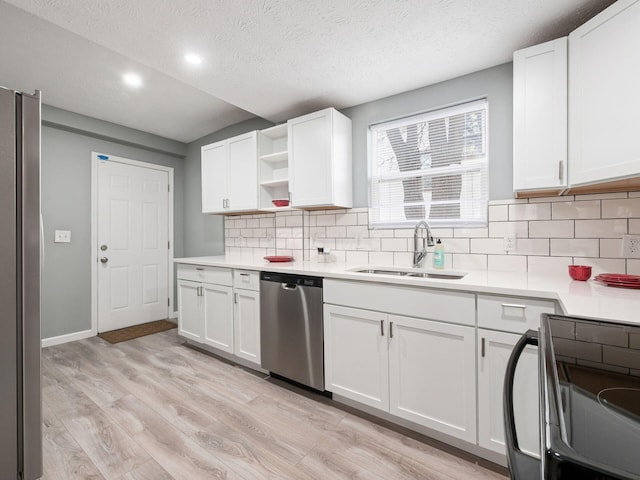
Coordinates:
[482,348]
[200,269]
[390,329]
[235,298]
[382,328]
[513,305]
[560,170]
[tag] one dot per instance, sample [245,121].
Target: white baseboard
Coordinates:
[69,337]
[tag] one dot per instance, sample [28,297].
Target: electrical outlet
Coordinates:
[510,242]
[631,246]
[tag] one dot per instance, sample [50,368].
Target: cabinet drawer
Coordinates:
[247,279]
[199,273]
[431,304]
[512,314]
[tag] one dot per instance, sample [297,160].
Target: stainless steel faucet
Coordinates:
[418,255]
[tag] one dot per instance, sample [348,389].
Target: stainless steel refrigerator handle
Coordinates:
[288,286]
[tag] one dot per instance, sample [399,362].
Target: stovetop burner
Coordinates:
[621,400]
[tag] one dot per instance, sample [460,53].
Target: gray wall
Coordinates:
[66,205]
[495,83]
[204,234]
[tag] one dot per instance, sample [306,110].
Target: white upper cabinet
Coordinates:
[243,172]
[540,117]
[604,98]
[230,175]
[215,165]
[320,160]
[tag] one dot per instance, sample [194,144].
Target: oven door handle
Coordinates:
[521,465]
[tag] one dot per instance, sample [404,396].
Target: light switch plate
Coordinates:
[62,236]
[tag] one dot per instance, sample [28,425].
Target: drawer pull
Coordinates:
[244,274]
[513,305]
[200,269]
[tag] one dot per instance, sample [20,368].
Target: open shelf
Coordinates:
[275,183]
[273,167]
[276,131]
[277,209]
[275,156]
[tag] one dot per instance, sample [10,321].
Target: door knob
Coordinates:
[104,260]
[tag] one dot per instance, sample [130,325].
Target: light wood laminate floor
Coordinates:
[153,409]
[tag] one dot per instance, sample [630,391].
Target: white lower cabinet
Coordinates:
[501,322]
[217,304]
[205,313]
[432,378]
[246,325]
[419,370]
[220,315]
[356,355]
[190,324]
[494,350]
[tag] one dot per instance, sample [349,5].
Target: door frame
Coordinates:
[94,231]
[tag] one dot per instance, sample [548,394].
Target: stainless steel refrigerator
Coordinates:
[20,400]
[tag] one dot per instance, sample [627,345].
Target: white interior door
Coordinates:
[132,245]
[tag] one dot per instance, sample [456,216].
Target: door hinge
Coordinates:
[168,187]
[168,302]
[169,245]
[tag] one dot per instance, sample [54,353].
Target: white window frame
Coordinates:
[477,201]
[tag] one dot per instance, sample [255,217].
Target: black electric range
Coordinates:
[590,399]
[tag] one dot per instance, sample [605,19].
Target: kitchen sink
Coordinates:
[443,274]
[378,271]
[450,275]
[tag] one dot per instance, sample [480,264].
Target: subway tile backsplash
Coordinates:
[550,233]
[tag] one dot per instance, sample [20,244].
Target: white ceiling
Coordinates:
[270,58]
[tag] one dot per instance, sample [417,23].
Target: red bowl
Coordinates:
[580,272]
[280,203]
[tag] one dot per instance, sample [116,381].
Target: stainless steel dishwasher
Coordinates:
[291,331]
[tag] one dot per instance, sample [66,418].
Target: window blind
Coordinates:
[431,166]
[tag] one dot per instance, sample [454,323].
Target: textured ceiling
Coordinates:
[271,58]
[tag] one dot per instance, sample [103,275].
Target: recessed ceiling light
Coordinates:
[132,79]
[193,59]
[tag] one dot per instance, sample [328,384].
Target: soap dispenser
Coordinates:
[438,255]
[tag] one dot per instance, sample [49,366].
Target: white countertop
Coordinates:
[581,299]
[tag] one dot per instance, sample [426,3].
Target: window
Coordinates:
[431,166]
